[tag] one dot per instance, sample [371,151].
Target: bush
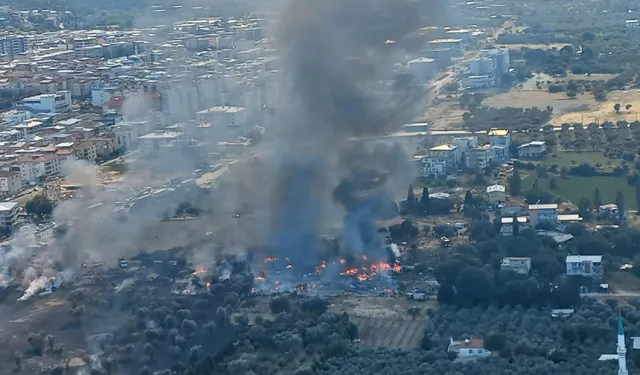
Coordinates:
[280,304]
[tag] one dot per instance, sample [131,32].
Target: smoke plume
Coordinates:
[339,79]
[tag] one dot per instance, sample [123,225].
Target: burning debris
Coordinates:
[362,276]
[42,286]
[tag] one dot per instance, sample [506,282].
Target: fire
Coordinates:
[200,271]
[343,261]
[397,267]
[260,278]
[270,259]
[350,272]
[382,266]
[365,257]
[321,267]
[289,266]
[363,277]
[208,284]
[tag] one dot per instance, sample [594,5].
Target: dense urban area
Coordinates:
[319,187]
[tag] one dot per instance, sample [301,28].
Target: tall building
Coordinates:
[622,350]
[13,44]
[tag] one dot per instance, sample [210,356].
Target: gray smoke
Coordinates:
[340,86]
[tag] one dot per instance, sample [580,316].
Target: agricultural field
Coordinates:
[390,333]
[604,111]
[384,321]
[574,188]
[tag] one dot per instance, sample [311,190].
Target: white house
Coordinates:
[154,141]
[632,23]
[10,183]
[520,265]
[585,265]
[8,214]
[497,193]
[47,103]
[430,166]
[468,348]
[533,149]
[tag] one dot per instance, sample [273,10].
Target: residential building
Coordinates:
[500,141]
[35,167]
[478,157]
[12,45]
[609,211]
[47,103]
[430,166]
[449,153]
[479,81]
[520,265]
[543,214]
[10,183]
[153,141]
[85,149]
[585,265]
[632,23]
[534,149]
[423,68]
[507,224]
[453,44]
[9,214]
[496,193]
[465,143]
[468,348]
[101,93]
[223,116]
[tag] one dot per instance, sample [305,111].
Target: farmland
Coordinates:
[384,322]
[390,333]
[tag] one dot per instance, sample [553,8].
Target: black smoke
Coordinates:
[338,59]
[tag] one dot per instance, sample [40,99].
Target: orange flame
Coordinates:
[260,278]
[397,268]
[350,272]
[343,261]
[270,259]
[208,284]
[363,277]
[289,266]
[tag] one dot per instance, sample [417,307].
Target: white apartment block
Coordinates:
[585,265]
[47,103]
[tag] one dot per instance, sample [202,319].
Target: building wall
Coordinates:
[546,215]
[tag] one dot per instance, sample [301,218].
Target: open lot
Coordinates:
[604,111]
[572,158]
[574,188]
[541,99]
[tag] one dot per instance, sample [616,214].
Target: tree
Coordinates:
[617,107]
[571,94]
[628,107]
[638,193]
[425,200]
[515,183]
[622,207]
[597,200]
[516,225]
[553,183]
[495,342]
[584,208]
[280,304]
[411,197]
[468,198]
[39,207]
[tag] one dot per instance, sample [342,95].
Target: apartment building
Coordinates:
[46,103]
[9,214]
[10,183]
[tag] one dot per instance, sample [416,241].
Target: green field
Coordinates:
[574,188]
[571,158]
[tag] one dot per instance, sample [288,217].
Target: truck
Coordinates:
[123,263]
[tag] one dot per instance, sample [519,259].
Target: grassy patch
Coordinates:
[574,188]
[572,158]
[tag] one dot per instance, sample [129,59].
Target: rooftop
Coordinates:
[496,188]
[443,148]
[7,206]
[498,132]
[584,258]
[551,206]
[450,40]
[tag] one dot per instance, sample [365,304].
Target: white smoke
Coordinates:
[395,250]
[34,287]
